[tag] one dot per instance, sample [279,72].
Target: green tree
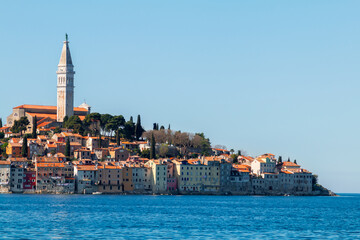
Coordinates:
[57,130]
[24,148]
[76,124]
[295,161]
[280,159]
[2,135]
[239,153]
[164,150]
[152,147]
[67,149]
[138,128]
[205,145]
[20,125]
[288,159]
[1,125]
[115,123]
[118,137]
[100,141]
[34,134]
[129,130]
[169,127]
[145,153]
[104,120]
[89,120]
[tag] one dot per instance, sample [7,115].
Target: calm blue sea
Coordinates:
[179,217]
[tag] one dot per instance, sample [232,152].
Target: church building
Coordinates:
[51,116]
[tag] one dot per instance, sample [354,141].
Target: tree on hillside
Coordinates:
[76,124]
[2,135]
[205,145]
[24,148]
[280,159]
[1,125]
[34,134]
[67,149]
[295,161]
[288,159]
[162,127]
[20,125]
[152,147]
[104,120]
[118,137]
[239,152]
[164,150]
[145,153]
[129,129]
[138,128]
[169,127]
[91,123]
[100,140]
[114,123]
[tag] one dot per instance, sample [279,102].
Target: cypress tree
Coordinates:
[162,127]
[239,152]
[100,141]
[152,148]
[34,134]
[280,159]
[295,161]
[24,148]
[288,159]
[117,137]
[169,127]
[154,126]
[67,149]
[1,123]
[138,128]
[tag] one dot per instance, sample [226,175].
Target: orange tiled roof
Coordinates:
[5,162]
[42,107]
[86,167]
[61,165]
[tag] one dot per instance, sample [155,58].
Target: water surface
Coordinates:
[191,217]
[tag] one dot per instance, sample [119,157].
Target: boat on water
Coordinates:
[97,193]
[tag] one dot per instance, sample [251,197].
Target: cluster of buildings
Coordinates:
[116,169]
[110,168]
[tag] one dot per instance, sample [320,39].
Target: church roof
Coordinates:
[65,58]
[41,107]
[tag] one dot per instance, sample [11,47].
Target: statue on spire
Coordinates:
[66,37]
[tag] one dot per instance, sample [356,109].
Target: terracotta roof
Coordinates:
[42,107]
[50,165]
[86,167]
[290,164]
[5,162]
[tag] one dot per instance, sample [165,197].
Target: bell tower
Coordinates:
[65,84]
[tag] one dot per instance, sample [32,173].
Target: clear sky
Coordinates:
[261,76]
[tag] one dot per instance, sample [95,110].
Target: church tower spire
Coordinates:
[65,83]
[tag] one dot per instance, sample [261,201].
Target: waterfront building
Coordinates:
[17,178]
[86,178]
[5,176]
[196,177]
[158,175]
[127,179]
[141,178]
[110,179]
[54,177]
[29,183]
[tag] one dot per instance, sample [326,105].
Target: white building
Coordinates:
[4,176]
[261,165]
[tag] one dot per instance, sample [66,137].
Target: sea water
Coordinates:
[178,217]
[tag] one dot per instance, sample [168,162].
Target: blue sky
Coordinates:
[261,76]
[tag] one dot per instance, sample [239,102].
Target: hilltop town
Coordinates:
[65,150]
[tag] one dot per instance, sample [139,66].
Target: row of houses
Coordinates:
[207,175]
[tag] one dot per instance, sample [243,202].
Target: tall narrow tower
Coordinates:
[65,84]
